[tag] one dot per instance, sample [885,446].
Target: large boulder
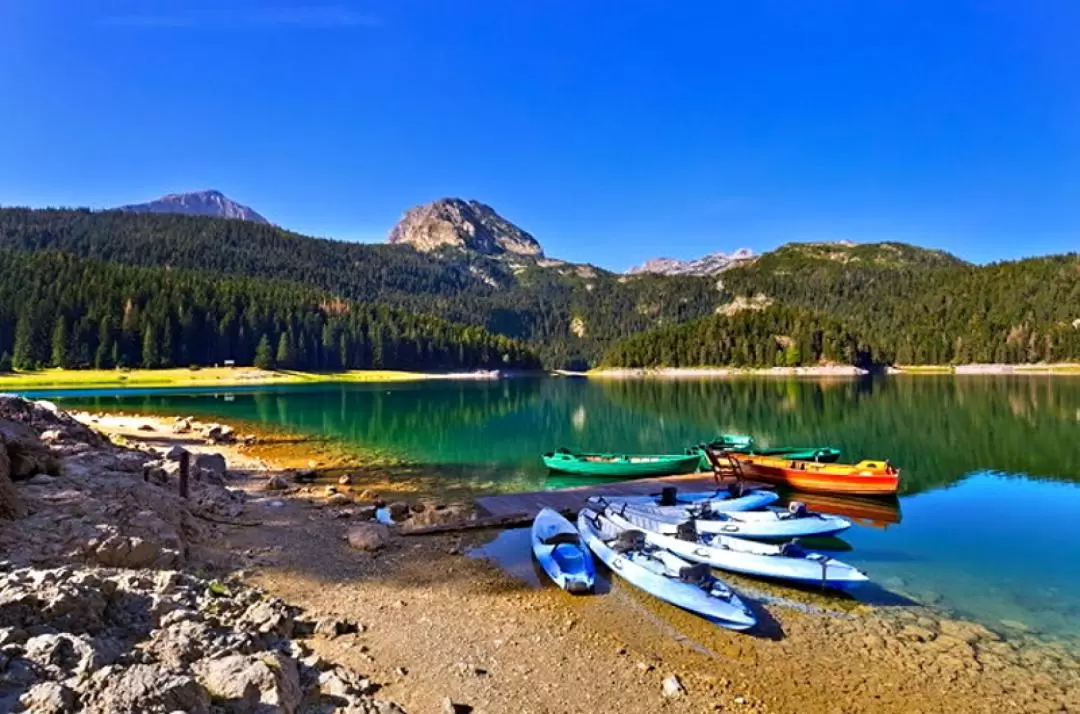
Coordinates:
[118,551]
[212,462]
[249,684]
[26,454]
[11,504]
[368,536]
[48,698]
[145,688]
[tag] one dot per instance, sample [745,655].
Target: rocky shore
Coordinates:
[269,589]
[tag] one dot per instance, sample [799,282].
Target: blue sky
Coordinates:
[613,130]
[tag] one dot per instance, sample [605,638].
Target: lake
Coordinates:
[987,525]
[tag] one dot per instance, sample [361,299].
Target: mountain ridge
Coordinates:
[210,203]
[463,224]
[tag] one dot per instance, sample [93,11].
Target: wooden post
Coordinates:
[185,463]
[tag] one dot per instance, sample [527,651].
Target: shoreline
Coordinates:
[541,650]
[847,371]
[57,379]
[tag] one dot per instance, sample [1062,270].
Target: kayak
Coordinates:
[787,562]
[796,522]
[620,465]
[558,548]
[868,478]
[720,500]
[662,574]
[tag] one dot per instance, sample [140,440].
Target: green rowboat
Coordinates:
[745,445]
[620,465]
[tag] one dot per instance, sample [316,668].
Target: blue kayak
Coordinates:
[663,574]
[558,548]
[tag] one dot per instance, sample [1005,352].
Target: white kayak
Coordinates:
[787,562]
[663,574]
[720,500]
[796,522]
[558,548]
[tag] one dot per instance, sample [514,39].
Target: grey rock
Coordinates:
[126,552]
[269,616]
[48,698]
[368,536]
[276,483]
[252,683]
[211,462]
[145,688]
[64,655]
[468,225]
[399,510]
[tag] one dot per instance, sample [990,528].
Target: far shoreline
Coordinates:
[228,377]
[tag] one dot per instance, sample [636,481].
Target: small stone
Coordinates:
[369,496]
[399,510]
[276,483]
[48,698]
[344,480]
[368,536]
[1015,625]
[146,427]
[401,671]
[305,476]
[673,687]
[740,700]
[644,667]
[451,707]
[338,499]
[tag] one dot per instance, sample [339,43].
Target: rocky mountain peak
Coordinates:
[707,265]
[198,203]
[469,225]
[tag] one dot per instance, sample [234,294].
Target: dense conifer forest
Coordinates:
[62,311]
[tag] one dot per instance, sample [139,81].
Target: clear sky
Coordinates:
[613,130]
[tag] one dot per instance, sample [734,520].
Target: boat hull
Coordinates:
[714,500]
[634,567]
[621,465]
[858,480]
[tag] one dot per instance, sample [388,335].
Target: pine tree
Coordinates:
[61,352]
[104,357]
[284,356]
[151,355]
[24,353]
[264,358]
[5,362]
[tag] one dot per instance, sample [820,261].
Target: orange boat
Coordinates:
[866,478]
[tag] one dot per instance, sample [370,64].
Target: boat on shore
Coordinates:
[663,574]
[796,522]
[620,465]
[866,478]
[719,500]
[788,562]
[560,551]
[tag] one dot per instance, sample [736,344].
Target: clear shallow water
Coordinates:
[987,524]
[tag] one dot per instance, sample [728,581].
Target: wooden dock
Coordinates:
[571,500]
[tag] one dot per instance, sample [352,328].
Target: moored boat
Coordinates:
[788,562]
[663,574]
[867,478]
[560,551]
[796,522]
[720,500]
[620,465]
[746,445]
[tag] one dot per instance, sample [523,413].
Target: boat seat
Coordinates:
[687,530]
[628,541]
[563,537]
[695,574]
[792,549]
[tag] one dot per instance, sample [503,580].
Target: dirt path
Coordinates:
[441,624]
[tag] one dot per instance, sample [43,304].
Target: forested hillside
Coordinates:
[926,307]
[59,310]
[570,313]
[773,337]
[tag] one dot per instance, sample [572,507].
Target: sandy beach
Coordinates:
[440,624]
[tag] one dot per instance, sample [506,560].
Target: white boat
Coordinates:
[663,574]
[787,562]
[796,522]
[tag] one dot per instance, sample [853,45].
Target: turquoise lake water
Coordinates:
[987,525]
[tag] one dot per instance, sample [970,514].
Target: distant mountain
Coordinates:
[468,225]
[199,203]
[707,265]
